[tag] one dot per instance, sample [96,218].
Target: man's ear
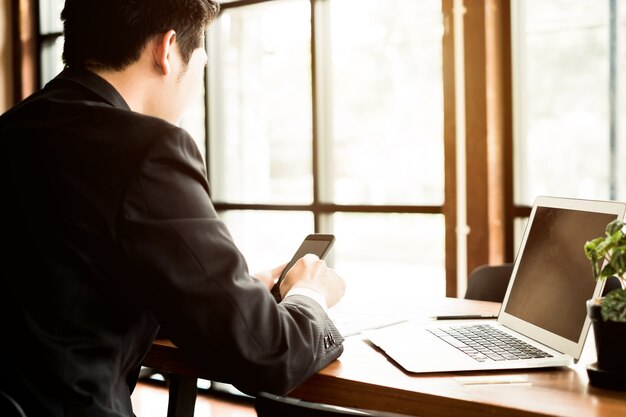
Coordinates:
[164,51]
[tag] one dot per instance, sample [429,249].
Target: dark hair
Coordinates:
[110,34]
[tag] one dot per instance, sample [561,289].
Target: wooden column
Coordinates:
[25,49]
[449,134]
[485,131]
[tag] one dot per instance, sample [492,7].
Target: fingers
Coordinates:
[266,278]
[275,272]
[313,273]
[336,287]
[269,278]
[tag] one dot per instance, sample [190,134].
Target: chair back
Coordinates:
[489,282]
[612,283]
[270,405]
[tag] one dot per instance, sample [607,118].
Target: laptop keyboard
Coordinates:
[486,343]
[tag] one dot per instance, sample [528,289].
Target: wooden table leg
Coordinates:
[182,396]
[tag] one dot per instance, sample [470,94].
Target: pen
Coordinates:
[466,316]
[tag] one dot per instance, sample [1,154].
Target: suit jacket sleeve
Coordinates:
[188,271]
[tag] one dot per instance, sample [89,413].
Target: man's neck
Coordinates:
[130,87]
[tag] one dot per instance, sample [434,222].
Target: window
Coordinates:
[568,62]
[327,116]
[50,28]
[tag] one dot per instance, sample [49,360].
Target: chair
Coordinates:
[489,282]
[9,407]
[270,405]
[612,283]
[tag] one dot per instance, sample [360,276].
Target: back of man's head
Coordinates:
[110,34]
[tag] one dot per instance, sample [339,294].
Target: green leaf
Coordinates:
[614,226]
[615,237]
[591,248]
[618,260]
[608,253]
[607,271]
[604,246]
[614,306]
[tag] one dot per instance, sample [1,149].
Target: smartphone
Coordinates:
[317,243]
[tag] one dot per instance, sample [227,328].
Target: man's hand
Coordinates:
[269,278]
[311,272]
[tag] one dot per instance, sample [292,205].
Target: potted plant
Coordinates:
[608,313]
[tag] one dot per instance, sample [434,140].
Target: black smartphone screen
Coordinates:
[318,244]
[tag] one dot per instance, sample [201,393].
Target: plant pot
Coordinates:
[610,369]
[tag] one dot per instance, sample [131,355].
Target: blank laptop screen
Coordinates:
[553,269]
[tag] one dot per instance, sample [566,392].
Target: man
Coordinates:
[110,233]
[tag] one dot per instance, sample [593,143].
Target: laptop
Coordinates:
[543,319]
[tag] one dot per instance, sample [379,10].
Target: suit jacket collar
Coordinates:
[96,84]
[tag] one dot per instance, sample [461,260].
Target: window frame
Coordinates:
[321,209]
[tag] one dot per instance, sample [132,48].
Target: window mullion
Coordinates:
[322,151]
[614,37]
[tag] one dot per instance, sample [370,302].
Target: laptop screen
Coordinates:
[553,280]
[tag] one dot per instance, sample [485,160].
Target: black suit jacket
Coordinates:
[110,233]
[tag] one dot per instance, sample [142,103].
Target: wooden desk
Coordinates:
[364,377]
